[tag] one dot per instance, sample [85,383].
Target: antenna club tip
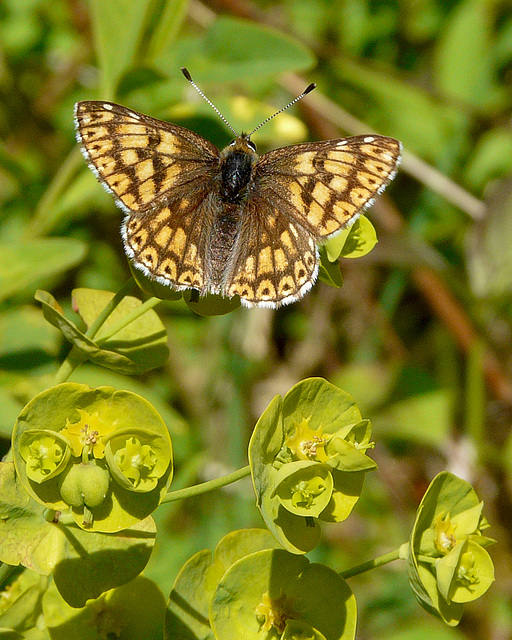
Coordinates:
[309,88]
[186,73]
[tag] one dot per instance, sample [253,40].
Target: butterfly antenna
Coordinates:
[307,90]
[187,75]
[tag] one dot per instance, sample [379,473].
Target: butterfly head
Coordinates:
[243,144]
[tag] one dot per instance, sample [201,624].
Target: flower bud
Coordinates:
[84,484]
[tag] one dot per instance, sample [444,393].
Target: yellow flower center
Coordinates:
[306,443]
[275,612]
[85,436]
[445,533]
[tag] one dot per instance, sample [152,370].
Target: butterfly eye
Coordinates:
[251,145]
[232,143]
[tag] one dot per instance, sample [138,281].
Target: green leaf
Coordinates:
[25,535]
[94,376]
[52,311]
[133,611]
[361,239]
[329,272]
[11,406]
[118,26]
[464,72]
[103,561]
[346,491]
[163,35]
[352,242]
[24,264]
[234,49]
[25,336]
[398,106]
[423,417]
[320,403]
[23,606]
[143,341]
[491,158]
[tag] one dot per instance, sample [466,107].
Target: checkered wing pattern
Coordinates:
[159,174]
[180,227]
[304,194]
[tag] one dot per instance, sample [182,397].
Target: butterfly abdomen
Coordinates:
[221,242]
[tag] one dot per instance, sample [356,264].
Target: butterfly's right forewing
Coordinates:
[139,159]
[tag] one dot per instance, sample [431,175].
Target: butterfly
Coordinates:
[227,221]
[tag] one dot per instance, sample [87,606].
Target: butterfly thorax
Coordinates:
[236,162]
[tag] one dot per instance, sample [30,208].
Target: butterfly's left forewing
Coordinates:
[325,185]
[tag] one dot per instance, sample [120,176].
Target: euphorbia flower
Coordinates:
[306,443]
[85,436]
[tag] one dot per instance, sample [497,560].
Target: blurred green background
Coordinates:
[421,331]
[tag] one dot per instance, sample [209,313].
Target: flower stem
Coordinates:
[74,358]
[371,564]
[205,487]
[128,319]
[109,307]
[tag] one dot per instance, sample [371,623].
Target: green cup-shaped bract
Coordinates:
[465,573]
[45,452]
[211,304]
[304,488]
[447,564]
[315,431]
[137,459]
[152,287]
[198,579]
[134,611]
[89,419]
[271,593]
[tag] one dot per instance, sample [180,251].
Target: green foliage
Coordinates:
[289,595]
[52,255]
[78,528]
